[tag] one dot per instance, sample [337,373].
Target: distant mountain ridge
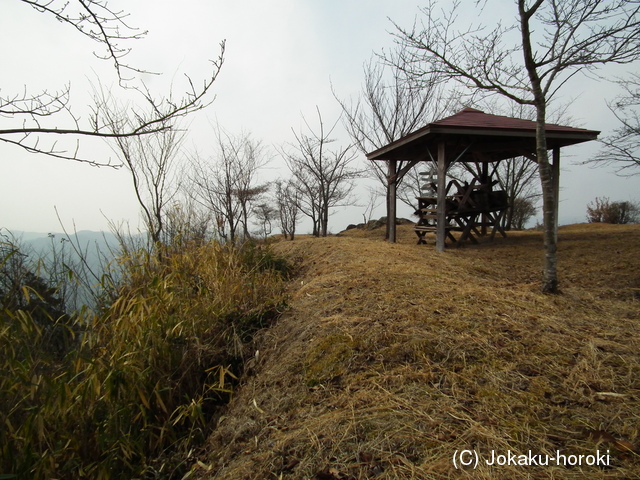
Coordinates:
[87,253]
[42,243]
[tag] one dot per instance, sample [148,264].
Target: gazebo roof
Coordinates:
[482,137]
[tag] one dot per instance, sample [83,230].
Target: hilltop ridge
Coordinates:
[392,357]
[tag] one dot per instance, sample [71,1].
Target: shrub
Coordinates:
[601,210]
[145,374]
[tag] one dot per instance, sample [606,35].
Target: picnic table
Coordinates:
[471,209]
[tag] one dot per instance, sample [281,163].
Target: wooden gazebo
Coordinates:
[469,136]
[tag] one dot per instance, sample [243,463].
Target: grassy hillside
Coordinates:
[392,357]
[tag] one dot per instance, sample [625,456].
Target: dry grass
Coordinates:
[392,357]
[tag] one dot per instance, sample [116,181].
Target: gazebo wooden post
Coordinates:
[391,200]
[555,168]
[441,215]
[484,180]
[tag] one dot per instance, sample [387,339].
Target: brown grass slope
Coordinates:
[393,357]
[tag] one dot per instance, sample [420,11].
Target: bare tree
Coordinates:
[391,105]
[308,197]
[287,202]
[324,176]
[521,210]
[265,215]
[517,176]
[557,39]
[42,118]
[622,147]
[152,161]
[372,204]
[227,184]
[213,189]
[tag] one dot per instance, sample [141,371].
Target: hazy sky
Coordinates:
[282,57]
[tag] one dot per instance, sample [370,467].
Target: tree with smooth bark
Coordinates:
[527,62]
[518,176]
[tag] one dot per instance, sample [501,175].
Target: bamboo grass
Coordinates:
[146,374]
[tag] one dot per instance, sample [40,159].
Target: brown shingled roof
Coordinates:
[470,117]
[505,136]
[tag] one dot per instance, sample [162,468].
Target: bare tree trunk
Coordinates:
[389,196]
[324,222]
[550,273]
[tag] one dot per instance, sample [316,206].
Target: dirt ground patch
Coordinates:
[391,358]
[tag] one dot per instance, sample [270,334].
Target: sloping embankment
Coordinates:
[391,358]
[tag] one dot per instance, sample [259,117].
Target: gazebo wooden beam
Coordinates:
[404,170]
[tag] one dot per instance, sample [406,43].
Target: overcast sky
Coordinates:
[282,57]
